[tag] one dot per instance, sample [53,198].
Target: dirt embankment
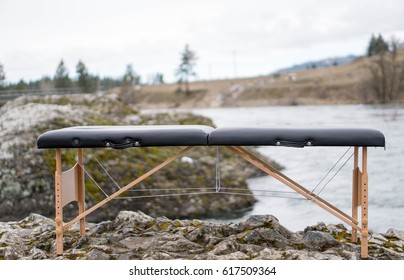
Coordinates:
[344,84]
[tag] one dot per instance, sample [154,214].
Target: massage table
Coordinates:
[69,185]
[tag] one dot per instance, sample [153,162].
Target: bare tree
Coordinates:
[386,70]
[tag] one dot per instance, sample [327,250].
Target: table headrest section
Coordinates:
[120,137]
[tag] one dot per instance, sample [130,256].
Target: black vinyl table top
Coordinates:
[120,137]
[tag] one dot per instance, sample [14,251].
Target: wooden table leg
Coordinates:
[355,193]
[364,193]
[58,203]
[80,190]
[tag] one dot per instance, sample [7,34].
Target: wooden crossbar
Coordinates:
[299,189]
[127,187]
[314,197]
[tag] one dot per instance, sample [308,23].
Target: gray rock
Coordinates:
[319,240]
[14,244]
[348,255]
[274,238]
[37,254]
[271,254]
[377,238]
[225,247]
[102,227]
[251,249]
[157,256]
[318,227]
[310,255]
[137,243]
[394,233]
[134,235]
[96,254]
[198,236]
[256,221]
[11,254]
[176,244]
[235,256]
[34,220]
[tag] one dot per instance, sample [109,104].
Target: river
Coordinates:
[309,165]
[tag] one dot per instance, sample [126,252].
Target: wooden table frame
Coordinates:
[69,186]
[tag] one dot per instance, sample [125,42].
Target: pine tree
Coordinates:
[381,45]
[186,67]
[156,79]
[2,75]
[377,45]
[62,79]
[84,80]
[130,79]
[371,46]
[21,85]
[386,69]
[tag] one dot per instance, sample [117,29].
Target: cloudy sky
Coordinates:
[231,37]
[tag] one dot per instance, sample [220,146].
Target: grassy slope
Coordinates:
[334,85]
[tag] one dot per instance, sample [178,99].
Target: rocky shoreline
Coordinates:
[27,173]
[135,235]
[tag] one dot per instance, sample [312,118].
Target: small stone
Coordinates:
[256,221]
[234,256]
[274,238]
[102,227]
[251,237]
[14,244]
[250,249]
[319,240]
[225,247]
[350,255]
[157,256]
[37,254]
[318,227]
[199,236]
[377,239]
[270,254]
[136,243]
[394,233]
[352,247]
[97,255]
[11,254]
[175,244]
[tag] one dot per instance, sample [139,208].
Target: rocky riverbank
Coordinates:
[135,235]
[27,173]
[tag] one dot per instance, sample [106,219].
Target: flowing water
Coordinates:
[309,165]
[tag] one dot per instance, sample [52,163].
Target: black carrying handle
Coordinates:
[129,143]
[293,144]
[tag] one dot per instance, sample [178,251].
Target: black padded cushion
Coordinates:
[296,137]
[120,137]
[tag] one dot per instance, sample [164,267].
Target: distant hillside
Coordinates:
[328,62]
[344,83]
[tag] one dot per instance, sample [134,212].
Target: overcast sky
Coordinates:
[231,38]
